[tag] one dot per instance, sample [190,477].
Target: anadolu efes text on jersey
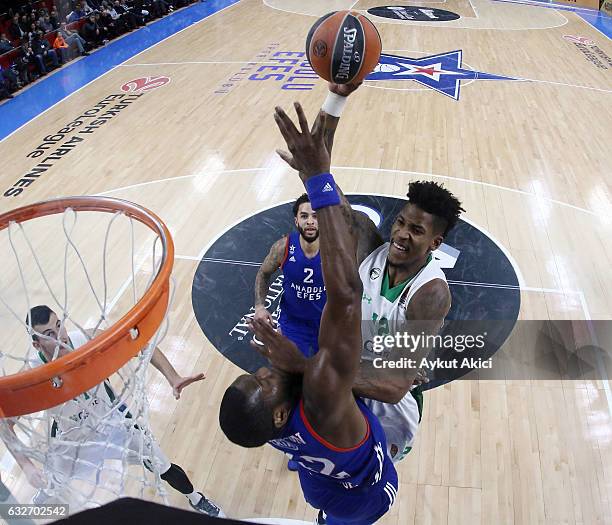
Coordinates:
[303,287]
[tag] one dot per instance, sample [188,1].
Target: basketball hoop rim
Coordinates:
[32,390]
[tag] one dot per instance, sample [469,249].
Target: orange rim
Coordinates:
[32,390]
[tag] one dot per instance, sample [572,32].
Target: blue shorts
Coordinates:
[303,332]
[360,506]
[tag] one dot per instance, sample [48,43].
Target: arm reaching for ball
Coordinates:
[367,237]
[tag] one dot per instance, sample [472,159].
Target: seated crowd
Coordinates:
[37,37]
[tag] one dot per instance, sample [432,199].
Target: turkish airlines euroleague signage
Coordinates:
[54,148]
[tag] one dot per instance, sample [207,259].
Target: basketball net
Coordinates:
[90,268]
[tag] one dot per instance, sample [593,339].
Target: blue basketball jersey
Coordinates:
[303,287]
[354,485]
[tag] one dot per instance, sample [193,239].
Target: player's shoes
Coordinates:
[205,506]
[292,465]
[321,518]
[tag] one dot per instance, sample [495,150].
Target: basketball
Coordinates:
[343,47]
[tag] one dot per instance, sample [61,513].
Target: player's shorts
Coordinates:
[303,332]
[399,421]
[359,506]
[73,458]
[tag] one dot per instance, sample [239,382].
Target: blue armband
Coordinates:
[322,191]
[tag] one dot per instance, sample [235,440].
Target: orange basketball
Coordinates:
[343,47]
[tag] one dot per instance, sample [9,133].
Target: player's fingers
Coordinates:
[254,325]
[283,118]
[287,157]
[315,127]
[261,350]
[262,330]
[267,330]
[301,118]
[320,126]
[282,127]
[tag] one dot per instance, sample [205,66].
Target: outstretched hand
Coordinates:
[276,348]
[307,152]
[182,382]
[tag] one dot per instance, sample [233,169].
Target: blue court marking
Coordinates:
[32,102]
[600,21]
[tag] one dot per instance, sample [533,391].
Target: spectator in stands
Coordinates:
[45,24]
[23,63]
[25,23]
[5,44]
[134,18]
[120,23]
[73,38]
[4,93]
[91,32]
[105,31]
[144,9]
[64,7]
[77,14]
[14,29]
[32,30]
[5,84]
[9,79]
[60,47]
[108,25]
[87,8]
[42,51]
[55,19]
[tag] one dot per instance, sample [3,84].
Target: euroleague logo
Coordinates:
[319,48]
[483,281]
[144,84]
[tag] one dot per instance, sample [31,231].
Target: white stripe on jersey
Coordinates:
[391,493]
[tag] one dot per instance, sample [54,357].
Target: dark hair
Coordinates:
[37,316]
[245,420]
[435,199]
[301,200]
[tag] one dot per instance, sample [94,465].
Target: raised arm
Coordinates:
[176,381]
[165,367]
[329,376]
[367,236]
[270,264]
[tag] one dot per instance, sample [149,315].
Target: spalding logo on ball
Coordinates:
[343,47]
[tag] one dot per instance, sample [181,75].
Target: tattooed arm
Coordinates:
[271,263]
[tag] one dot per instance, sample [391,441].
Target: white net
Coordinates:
[89,268]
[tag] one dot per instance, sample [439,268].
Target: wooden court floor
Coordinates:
[528,155]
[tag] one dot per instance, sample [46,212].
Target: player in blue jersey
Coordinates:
[338,443]
[297,255]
